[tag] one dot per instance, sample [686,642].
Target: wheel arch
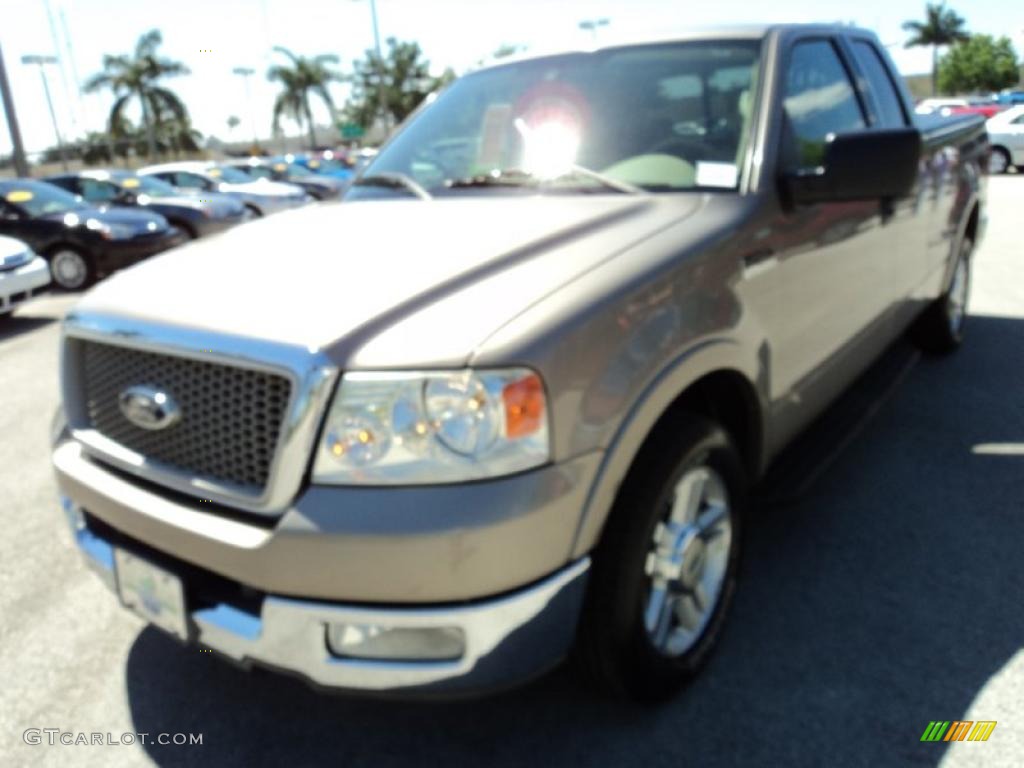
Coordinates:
[714,381]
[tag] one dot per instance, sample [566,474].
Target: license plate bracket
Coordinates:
[151,592]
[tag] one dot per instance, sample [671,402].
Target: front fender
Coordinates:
[706,357]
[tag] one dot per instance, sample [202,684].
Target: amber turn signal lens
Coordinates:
[524,406]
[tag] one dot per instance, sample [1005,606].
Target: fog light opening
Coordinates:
[380,643]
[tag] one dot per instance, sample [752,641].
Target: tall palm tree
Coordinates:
[304,76]
[136,77]
[942,26]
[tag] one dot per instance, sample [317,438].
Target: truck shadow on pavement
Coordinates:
[880,597]
[15,326]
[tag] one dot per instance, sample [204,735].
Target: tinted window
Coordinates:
[189,180]
[819,100]
[887,101]
[1018,121]
[98,191]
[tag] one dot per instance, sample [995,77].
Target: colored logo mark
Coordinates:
[958,730]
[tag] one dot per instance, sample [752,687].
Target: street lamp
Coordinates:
[41,61]
[592,25]
[18,151]
[246,73]
[381,112]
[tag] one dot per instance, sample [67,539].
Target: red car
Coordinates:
[987,110]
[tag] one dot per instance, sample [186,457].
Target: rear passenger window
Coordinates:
[819,100]
[887,101]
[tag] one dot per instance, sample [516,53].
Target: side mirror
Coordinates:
[866,165]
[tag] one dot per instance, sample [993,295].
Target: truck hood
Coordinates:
[386,283]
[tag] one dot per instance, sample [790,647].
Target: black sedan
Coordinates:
[278,169]
[196,215]
[80,242]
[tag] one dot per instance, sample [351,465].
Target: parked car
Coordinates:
[22,273]
[1010,98]
[193,213]
[260,196]
[527,412]
[330,164]
[928,106]
[1006,137]
[278,169]
[986,109]
[80,242]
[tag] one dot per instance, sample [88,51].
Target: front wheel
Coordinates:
[665,571]
[941,328]
[71,269]
[998,161]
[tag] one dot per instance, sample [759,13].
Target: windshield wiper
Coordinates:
[516,177]
[393,180]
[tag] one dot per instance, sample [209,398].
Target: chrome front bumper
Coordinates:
[508,639]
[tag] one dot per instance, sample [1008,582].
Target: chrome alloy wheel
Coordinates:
[687,563]
[957,303]
[69,269]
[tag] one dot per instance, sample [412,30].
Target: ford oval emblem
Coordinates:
[148,408]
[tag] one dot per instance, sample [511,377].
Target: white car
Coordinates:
[1006,137]
[928,106]
[22,273]
[261,196]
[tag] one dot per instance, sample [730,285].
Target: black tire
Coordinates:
[614,646]
[255,212]
[938,331]
[999,161]
[71,269]
[184,227]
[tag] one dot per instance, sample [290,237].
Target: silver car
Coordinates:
[22,273]
[261,196]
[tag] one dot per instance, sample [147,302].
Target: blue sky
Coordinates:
[453,33]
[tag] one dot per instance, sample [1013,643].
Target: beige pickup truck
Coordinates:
[507,398]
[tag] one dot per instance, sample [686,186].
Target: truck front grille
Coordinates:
[230,417]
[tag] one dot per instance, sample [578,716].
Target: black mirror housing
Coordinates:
[866,165]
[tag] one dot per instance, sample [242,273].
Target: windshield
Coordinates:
[232,175]
[662,117]
[38,198]
[259,172]
[147,185]
[293,170]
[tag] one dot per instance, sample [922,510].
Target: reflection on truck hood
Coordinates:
[338,275]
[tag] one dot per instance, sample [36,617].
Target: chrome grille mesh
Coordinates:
[230,417]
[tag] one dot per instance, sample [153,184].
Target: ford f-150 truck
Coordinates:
[582,301]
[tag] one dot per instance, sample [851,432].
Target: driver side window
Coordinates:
[819,100]
[189,181]
[98,191]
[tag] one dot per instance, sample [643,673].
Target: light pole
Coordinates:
[41,61]
[592,25]
[246,73]
[381,113]
[20,166]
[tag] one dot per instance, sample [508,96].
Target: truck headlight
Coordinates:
[404,428]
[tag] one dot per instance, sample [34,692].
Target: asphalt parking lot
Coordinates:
[881,595]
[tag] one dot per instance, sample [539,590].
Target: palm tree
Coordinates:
[942,26]
[298,80]
[136,77]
